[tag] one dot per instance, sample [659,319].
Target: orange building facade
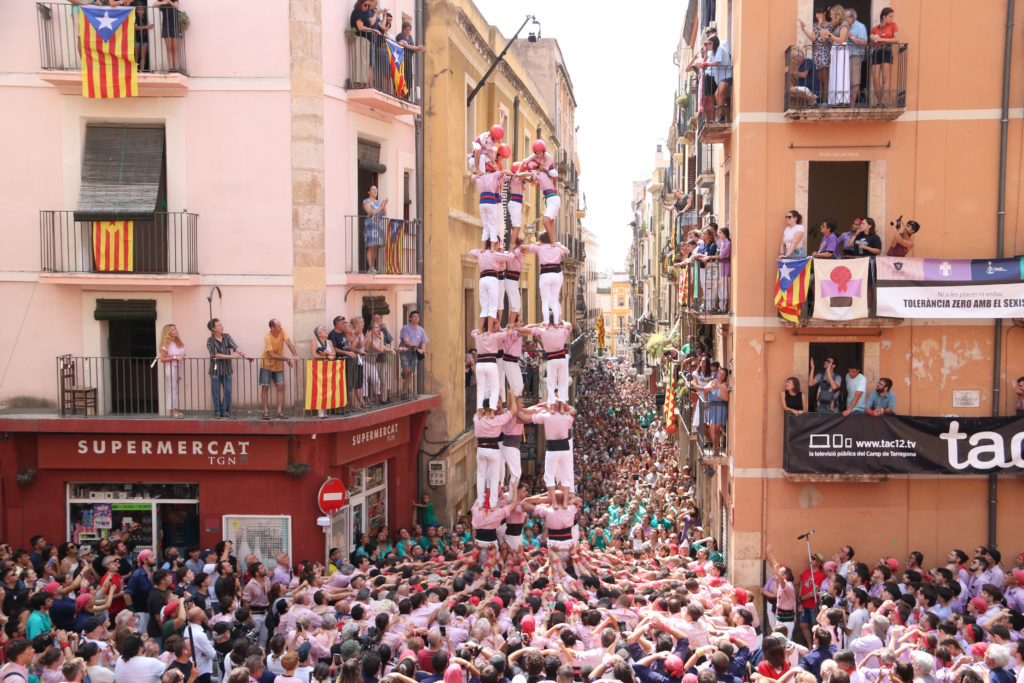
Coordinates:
[927,148]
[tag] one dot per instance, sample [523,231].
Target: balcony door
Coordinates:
[836,190]
[131,349]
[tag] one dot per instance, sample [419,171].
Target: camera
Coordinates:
[897,223]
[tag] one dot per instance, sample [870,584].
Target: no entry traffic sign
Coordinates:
[332,496]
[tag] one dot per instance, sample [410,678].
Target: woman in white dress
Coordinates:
[839,72]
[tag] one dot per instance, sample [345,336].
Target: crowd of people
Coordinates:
[378,365]
[636,592]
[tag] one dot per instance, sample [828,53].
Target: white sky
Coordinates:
[624,81]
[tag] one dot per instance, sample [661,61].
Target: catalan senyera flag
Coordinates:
[396,56]
[791,285]
[107,39]
[325,384]
[670,406]
[393,240]
[600,332]
[113,245]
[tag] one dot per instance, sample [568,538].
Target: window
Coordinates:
[845,355]
[622,321]
[622,302]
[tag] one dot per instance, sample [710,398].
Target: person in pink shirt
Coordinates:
[509,362]
[510,534]
[486,520]
[488,348]
[511,438]
[485,147]
[549,256]
[513,270]
[487,425]
[554,339]
[492,263]
[558,466]
[559,519]
[545,174]
[515,197]
[489,183]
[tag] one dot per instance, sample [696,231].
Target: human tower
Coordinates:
[499,512]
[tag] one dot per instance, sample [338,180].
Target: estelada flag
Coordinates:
[670,406]
[107,43]
[841,288]
[393,242]
[325,384]
[791,285]
[113,245]
[396,56]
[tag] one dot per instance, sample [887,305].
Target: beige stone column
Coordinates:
[309,293]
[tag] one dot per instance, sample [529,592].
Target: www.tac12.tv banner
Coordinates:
[950,288]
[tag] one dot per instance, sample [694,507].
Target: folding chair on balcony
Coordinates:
[73,397]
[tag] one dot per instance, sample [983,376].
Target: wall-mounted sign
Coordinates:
[107,452]
[966,398]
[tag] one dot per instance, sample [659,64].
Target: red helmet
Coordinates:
[497,132]
[493,166]
[539,146]
[504,150]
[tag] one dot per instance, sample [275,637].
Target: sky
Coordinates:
[624,81]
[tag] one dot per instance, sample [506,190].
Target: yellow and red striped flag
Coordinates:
[112,245]
[325,384]
[791,285]
[670,406]
[108,52]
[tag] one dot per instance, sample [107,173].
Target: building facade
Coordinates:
[233,186]
[884,151]
[463,45]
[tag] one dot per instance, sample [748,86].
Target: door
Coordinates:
[845,355]
[366,180]
[836,190]
[131,346]
[177,525]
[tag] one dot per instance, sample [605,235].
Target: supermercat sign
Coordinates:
[101,451]
[823,443]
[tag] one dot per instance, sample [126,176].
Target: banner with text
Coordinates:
[828,443]
[950,288]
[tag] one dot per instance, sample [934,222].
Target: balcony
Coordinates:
[163,67]
[686,109]
[882,95]
[370,81]
[712,439]
[705,166]
[165,245]
[705,291]
[714,131]
[397,251]
[128,388]
[578,350]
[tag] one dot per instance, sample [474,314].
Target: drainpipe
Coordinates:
[419,122]
[997,356]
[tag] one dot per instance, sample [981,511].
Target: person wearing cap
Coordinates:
[63,609]
[138,586]
[810,590]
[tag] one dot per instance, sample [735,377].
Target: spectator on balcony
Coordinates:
[373,231]
[412,349]
[378,343]
[343,350]
[223,350]
[718,408]
[707,252]
[856,387]
[172,355]
[828,383]
[142,28]
[701,377]
[829,247]
[839,73]
[406,40]
[362,21]
[1018,390]
[272,365]
[858,47]
[682,202]
[793,400]
[717,79]
[794,237]
[320,348]
[903,241]
[883,37]
[354,335]
[820,54]
[170,31]
[801,79]
[847,249]
[866,242]
[882,401]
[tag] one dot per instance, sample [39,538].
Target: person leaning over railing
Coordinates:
[882,401]
[321,348]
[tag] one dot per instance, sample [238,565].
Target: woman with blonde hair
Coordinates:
[839,73]
[172,355]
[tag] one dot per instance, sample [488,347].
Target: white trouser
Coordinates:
[513,542]
[489,471]
[371,380]
[488,384]
[550,291]
[558,468]
[558,378]
[510,456]
[515,298]
[515,214]
[490,297]
[491,217]
[552,205]
[514,376]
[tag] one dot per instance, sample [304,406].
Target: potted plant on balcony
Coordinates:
[183,20]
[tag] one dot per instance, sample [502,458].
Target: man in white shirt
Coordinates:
[199,643]
[858,600]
